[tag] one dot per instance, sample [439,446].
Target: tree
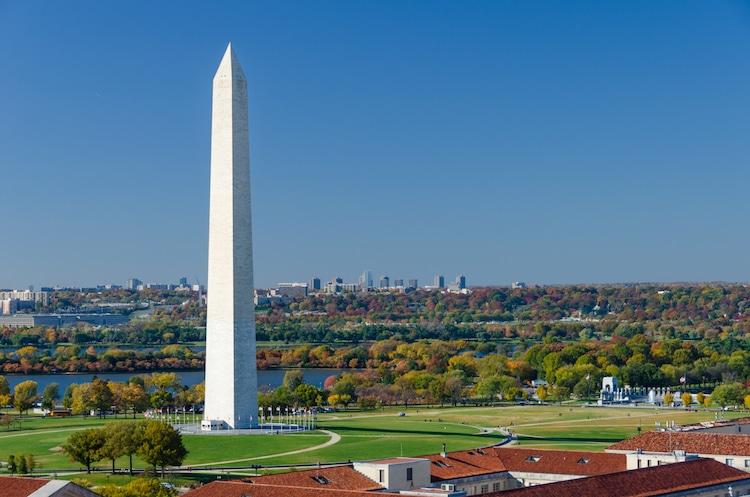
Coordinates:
[342,400]
[307,395]
[727,394]
[541,392]
[190,396]
[50,396]
[12,466]
[124,438]
[488,388]
[405,390]
[82,399]
[437,390]
[367,402]
[700,398]
[85,446]
[687,399]
[24,395]
[101,397]
[668,399]
[67,400]
[22,468]
[161,445]
[136,398]
[164,382]
[514,393]
[333,399]
[454,388]
[345,386]
[4,392]
[294,378]
[161,398]
[9,420]
[113,442]
[560,393]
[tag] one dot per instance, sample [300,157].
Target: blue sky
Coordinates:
[547,142]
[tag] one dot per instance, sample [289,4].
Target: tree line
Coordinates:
[155,442]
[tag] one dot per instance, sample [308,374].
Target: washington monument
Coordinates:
[231,375]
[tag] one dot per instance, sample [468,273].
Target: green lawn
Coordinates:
[374,434]
[243,450]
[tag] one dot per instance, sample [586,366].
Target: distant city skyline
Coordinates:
[547,142]
[134,283]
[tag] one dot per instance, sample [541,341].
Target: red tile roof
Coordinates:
[467,463]
[239,489]
[691,442]
[562,462]
[646,482]
[464,464]
[337,477]
[20,487]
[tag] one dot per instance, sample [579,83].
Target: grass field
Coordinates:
[371,435]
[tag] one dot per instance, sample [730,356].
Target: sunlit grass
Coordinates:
[375,434]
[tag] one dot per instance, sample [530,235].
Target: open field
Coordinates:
[371,435]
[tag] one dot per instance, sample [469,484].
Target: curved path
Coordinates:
[335,437]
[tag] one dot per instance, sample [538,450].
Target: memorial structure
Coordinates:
[231,400]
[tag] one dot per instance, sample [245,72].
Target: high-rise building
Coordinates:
[398,283]
[413,284]
[314,284]
[365,281]
[133,284]
[231,398]
[384,282]
[461,281]
[439,281]
[293,289]
[183,281]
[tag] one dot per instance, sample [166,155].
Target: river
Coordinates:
[270,378]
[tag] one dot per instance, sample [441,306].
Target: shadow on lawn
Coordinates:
[341,430]
[524,438]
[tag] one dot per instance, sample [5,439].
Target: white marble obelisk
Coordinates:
[231,375]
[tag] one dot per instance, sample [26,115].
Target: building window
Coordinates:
[730,461]
[747,463]
[484,489]
[381,475]
[496,486]
[409,474]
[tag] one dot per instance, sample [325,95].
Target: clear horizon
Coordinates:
[553,143]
